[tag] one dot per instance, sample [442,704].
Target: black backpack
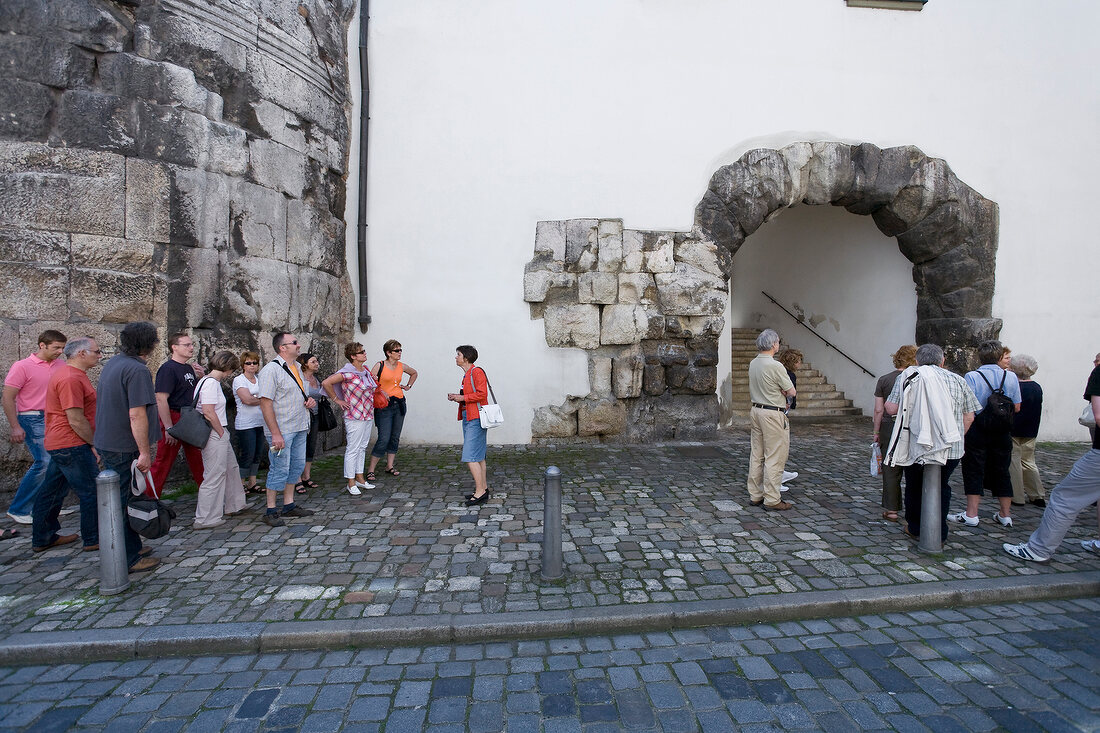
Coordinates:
[999,409]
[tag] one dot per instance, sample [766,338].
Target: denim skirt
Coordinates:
[473,441]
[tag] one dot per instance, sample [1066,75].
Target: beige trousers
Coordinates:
[221,490]
[1026,483]
[771,441]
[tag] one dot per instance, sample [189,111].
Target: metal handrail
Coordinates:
[815,333]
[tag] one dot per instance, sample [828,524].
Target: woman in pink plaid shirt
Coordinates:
[356,396]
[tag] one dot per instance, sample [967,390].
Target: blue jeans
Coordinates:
[287,467]
[120,462]
[251,443]
[389,422]
[35,428]
[70,468]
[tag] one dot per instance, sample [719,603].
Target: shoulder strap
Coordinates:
[195,401]
[980,374]
[287,370]
[381,364]
[1004,376]
[487,382]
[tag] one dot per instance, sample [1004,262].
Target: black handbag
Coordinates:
[326,418]
[150,518]
[192,428]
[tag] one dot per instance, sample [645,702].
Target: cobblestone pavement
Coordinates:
[642,524]
[1020,667]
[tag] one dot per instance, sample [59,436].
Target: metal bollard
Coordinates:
[931,534]
[114,576]
[551,525]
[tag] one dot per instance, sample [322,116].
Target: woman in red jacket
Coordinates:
[474,392]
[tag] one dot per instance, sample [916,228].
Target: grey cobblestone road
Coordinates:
[642,524]
[1021,667]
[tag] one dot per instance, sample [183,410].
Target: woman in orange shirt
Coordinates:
[474,392]
[390,419]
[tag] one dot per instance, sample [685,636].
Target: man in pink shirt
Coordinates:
[25,406]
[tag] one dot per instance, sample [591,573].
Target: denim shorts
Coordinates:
[473,441]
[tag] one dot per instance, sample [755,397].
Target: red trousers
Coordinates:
[166,457]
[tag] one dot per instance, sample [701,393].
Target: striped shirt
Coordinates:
[286,397]
[359,395]
[962,402]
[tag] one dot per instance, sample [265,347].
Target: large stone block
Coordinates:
[26,110]
[318,300]
[111,253]
[830,173]
[637,288]
[96,26]
[227,149]
[34,247]
[115,297]
[550,239]
[601,417]
[96,121]
[280,125]
[200,210]
[148,201]
[659,253]
[691,380]
[171,134]
[627,372]
[633,243]
[259,293]
[129,75]
[277,166]
[599,376]
[609,234]
[554,422]
[623,324]
[555,287]
[581,243]
[46,60]
[315,238]
[705,256]
[258,221]
[653,379]
[598,287]
[61,189]
[197,287]
[672,417]
[572,326]
[694,326]
[690,291]
[33,292]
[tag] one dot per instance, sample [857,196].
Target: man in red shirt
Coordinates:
[70,425]
[24,403]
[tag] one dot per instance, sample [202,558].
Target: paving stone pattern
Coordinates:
[642,524]
[1021,667]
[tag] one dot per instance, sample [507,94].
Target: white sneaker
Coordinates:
[354,489]
[67,510]
[21,518]
[961,518]
[1003,521]
[789,476]
[784,488]
[364,485]
[1093,545]
[1023,552]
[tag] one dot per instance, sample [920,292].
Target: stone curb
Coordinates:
[91,645]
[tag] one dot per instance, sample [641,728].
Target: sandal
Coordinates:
[371,477]
[393,471]
[300,487]
[311,484]
[7,534]
[890,516]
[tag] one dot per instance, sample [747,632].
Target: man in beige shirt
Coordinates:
[769,387]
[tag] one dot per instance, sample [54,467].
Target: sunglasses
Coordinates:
[395,351]
[252,363]
[94,351]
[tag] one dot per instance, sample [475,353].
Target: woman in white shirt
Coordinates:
[249,422]
[221,490]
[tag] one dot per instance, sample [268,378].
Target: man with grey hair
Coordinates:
[70,426]
[963,403]
[769,387]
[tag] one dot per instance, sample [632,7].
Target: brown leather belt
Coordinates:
[767,407]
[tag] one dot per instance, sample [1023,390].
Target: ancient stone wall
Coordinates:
[180,161]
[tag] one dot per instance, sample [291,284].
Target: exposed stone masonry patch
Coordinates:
[181,161]
[648,306]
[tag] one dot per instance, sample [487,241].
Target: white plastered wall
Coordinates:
[487,117]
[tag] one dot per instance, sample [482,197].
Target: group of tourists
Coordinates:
[986,421]
[72,429]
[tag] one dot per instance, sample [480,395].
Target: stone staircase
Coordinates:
[816,397]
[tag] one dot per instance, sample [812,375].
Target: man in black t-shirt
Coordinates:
[1079,489]
[175,386]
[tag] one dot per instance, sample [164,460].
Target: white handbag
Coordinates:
[491,414]
[1087,419]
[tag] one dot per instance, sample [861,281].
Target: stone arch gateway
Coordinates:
[648,306]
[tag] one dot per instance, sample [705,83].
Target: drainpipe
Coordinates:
[364,120]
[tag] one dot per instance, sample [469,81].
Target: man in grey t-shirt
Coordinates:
[126,423]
